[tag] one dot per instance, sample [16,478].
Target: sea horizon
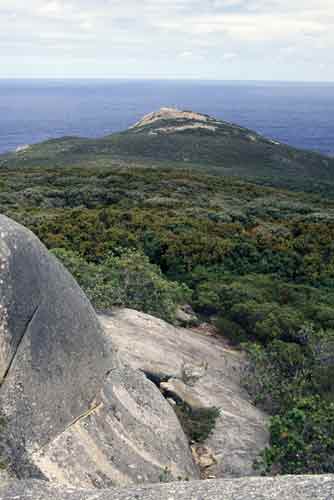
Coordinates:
[36,109]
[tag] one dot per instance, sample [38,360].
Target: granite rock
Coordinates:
[279,488]
[163,351]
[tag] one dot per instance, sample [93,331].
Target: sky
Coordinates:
[288,40]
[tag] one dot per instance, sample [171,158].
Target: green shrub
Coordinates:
[321,354]
[267,321]
[294,382]
[221,292]
[207,298]
[325,316]
[197,424]
[231,330]
[127,280]
[276,374]
[301,440]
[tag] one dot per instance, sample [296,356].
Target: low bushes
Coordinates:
[126,279]
[302,439]
[294,382]
[231,330]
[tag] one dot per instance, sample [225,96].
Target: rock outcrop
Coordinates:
[181,121]
[280,488]
[53,355]
[72,413]
[167,354]
[132,437]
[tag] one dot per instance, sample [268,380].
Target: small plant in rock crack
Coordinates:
[3,459]
[198,423]
[165,475]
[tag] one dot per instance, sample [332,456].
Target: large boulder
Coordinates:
[279,488]
[71,411]
[196,368]
[53,357]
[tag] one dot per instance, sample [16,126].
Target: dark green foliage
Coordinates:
[276,374]
[295,382]
[3,445]
[231,330]
[302,440]
[197,423]
[127,279]
[267,321]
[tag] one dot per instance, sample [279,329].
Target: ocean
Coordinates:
[301,115]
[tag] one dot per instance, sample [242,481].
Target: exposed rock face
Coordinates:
[21,149]
[280,488]
[72,413]
[167,353]
[182,121]
[166,113]
[53,354]
[132,437]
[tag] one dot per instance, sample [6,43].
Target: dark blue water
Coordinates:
[30,111]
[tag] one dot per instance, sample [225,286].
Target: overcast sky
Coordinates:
[206,39]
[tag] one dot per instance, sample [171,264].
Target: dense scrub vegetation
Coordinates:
[126,279]
[257,260]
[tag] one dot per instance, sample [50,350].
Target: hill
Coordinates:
[193,140]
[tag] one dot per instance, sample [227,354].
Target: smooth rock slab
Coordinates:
[164,351]
[280,488]
[132,437]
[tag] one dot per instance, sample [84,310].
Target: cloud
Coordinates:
[229,56]
[158,33]
[261,27]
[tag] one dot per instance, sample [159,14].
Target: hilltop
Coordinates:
[173,120]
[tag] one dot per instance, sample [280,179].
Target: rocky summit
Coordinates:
[173,120]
